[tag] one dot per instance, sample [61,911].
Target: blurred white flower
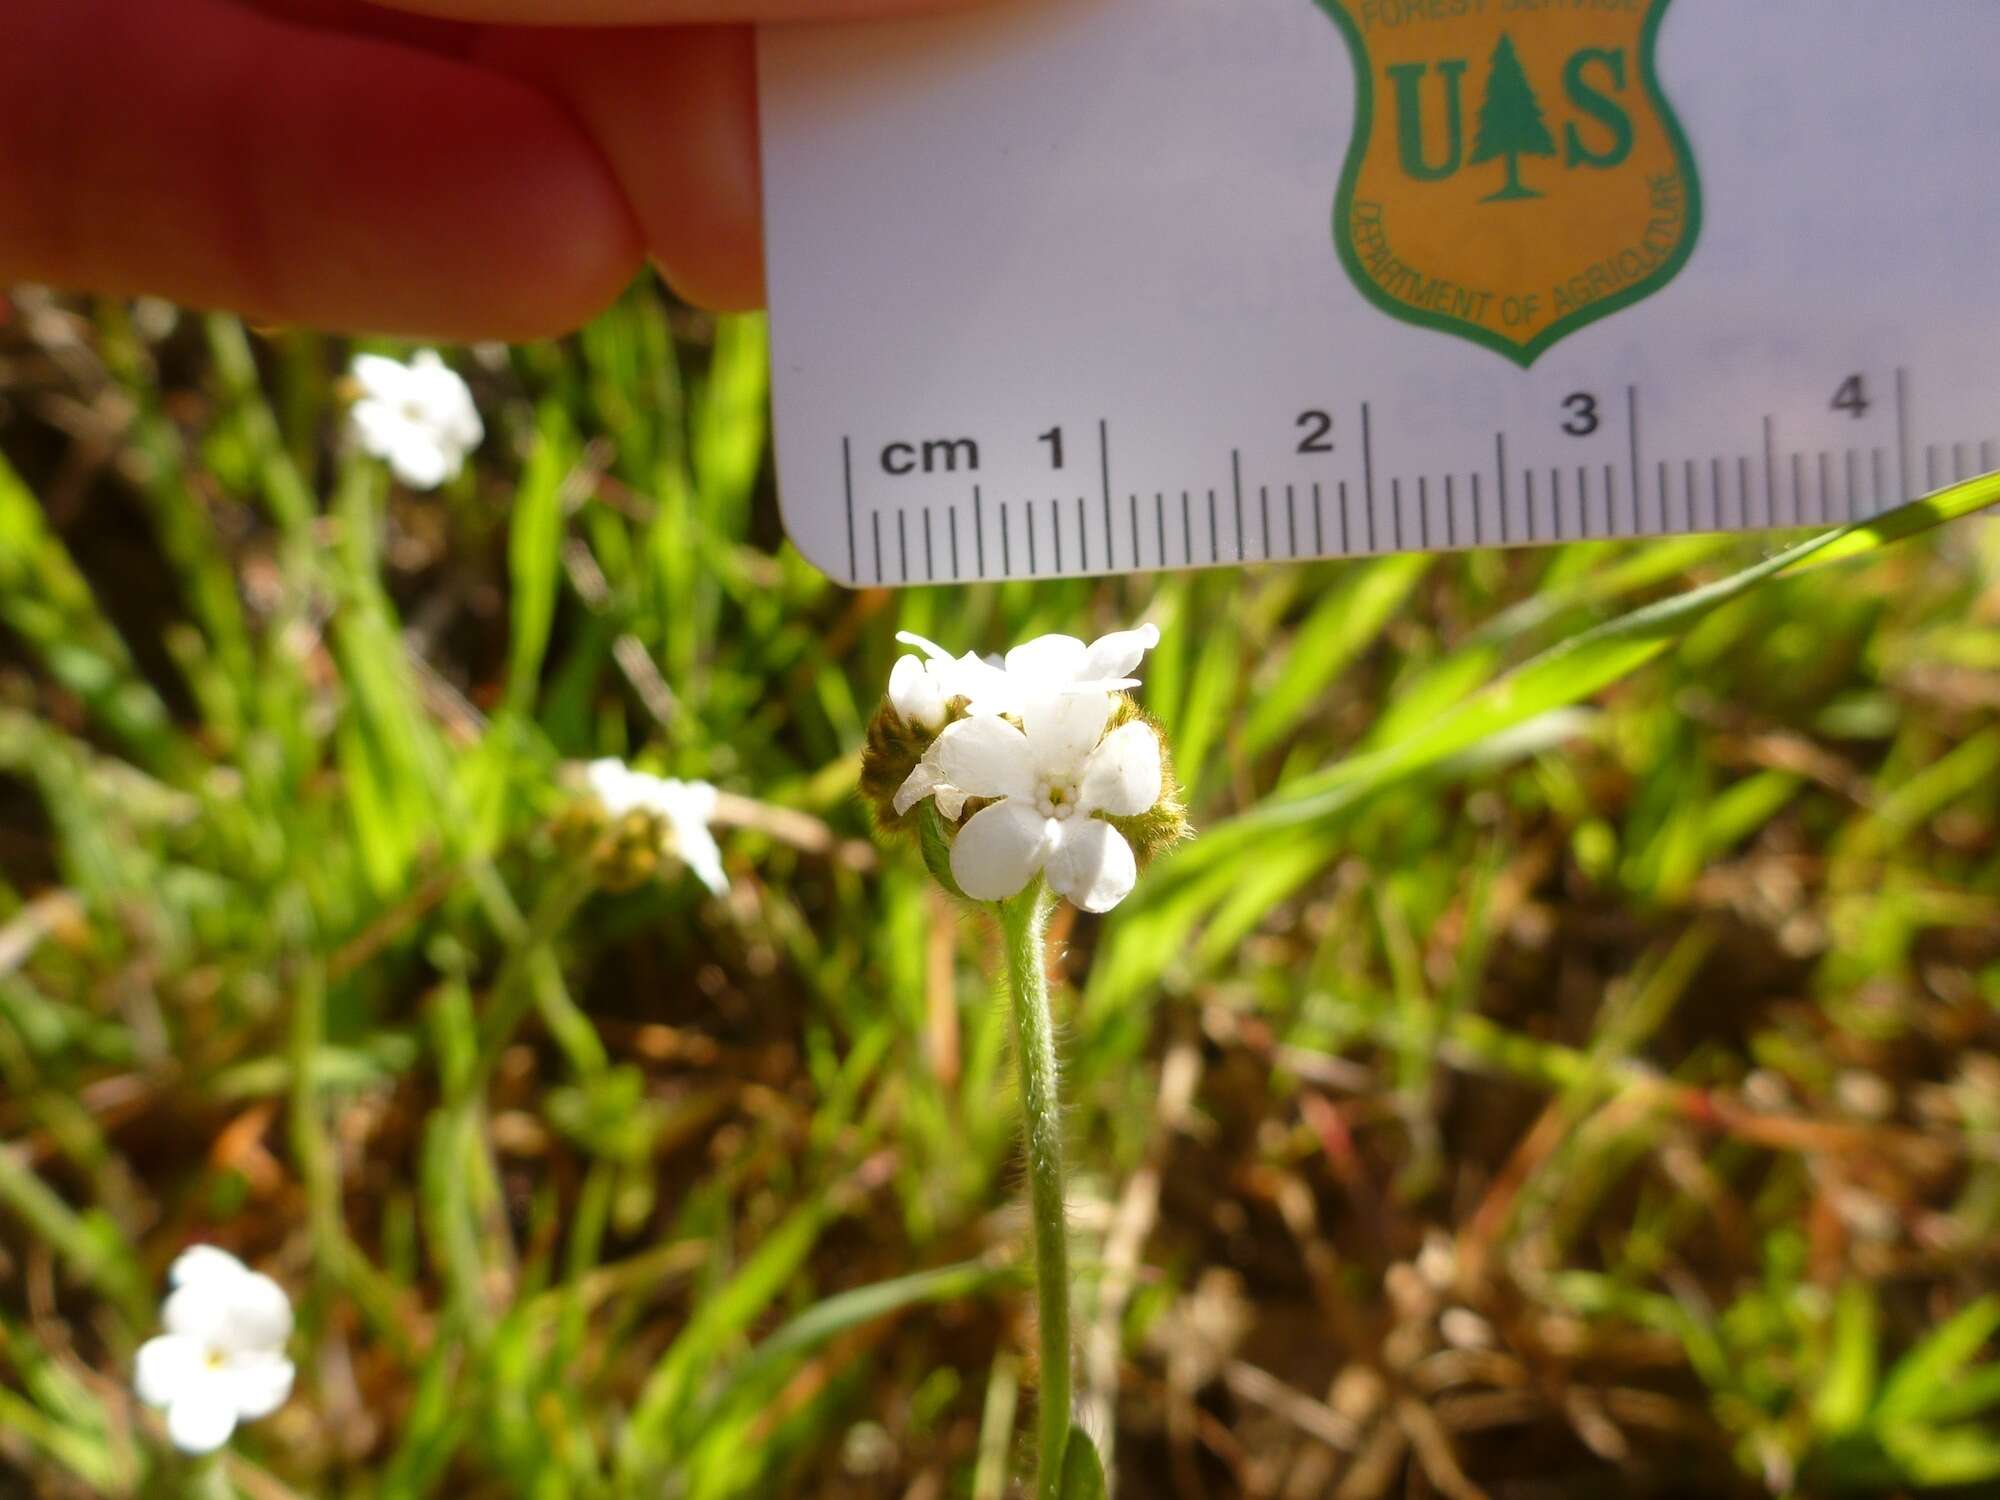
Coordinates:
[1050,776]
[222,1359]
[685,808]
[416,417]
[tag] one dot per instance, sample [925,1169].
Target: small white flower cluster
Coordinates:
[222,1359]
[416,417]
[684,808]
[1034,744]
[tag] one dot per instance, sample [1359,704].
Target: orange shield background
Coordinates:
[1515,172]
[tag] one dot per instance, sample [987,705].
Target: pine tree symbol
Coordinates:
[1510,121]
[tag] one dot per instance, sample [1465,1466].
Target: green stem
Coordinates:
[1023,920]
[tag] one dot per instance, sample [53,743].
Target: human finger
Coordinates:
[208,153]
[674,110]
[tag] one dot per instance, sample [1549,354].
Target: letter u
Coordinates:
[1408,79]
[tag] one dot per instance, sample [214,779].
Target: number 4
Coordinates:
[1852,397]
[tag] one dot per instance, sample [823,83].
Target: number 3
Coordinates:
[1582,409]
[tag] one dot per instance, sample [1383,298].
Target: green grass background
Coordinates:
[1566,1064]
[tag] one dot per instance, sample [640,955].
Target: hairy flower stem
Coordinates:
[1024,919]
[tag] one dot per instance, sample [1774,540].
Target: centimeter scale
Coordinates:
[1085,286]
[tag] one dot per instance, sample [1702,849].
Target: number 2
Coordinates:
[1318,429]
[1582,409]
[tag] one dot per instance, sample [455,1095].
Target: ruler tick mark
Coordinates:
[1291,523]
[1478,519]
[1319,522]
[1500,468]
[1104,475]
[1450,514]
[1688,483]
[1029,507]
[1236,490]
[1006,544]
[1187,531]
[1903,432]
[1632,441]
[1264,518]
[847,483]
[1853,487]
[1528,487]
[930,564]
[1083,539]
[1345,549]
[951,516]
[979,530]
[1878,462]
[1214,531]
[1715,493]
[1055,525]
[875,521]
[1135,535]
[1396,513]
[1610,500]
[1368,473]
[1770,474]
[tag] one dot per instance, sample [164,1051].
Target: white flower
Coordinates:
[1046,666]
[1052,775]
[222,1359]
[418,417]
[685,807]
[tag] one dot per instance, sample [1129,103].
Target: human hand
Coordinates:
[449,168]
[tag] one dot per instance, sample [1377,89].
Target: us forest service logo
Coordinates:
[1515,172]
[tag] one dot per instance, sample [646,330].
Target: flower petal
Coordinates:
[203,1413]
[378,427]
[986,756]
[615,785]
[259,1315]
[1063,728]
[999,849]
[1092,865]
[930,648]
[420,460]
[696,848]
[258,1383]
[165,1365]
[689,801]
[203,1260]
[1122,776]
[1117,654]
[382,378]
[199,1308]
[919,784]
[915,694]
[1048,661]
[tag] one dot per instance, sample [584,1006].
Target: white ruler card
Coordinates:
[1087,286]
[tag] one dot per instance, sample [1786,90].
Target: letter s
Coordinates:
[1599,106]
